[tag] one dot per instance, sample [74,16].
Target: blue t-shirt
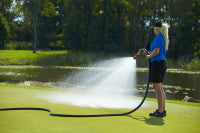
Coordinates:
[158,42]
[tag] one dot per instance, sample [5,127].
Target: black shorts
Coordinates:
[157,71]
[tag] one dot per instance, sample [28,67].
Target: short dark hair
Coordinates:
[158,24]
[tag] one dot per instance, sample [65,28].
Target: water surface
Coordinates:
[176,85]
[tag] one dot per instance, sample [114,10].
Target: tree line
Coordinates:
[110,26]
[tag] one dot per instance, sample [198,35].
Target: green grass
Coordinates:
[49,58]
[180,118]
[24,57]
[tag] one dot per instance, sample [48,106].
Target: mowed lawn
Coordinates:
[180,118]
[24,57]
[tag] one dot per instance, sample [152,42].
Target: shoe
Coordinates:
[164,113]
[158,113]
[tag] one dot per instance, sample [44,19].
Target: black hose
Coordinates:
[94,115]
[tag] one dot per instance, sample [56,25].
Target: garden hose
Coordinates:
[89,115]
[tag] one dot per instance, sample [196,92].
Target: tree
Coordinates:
[92,25]
[4,23]
[184,28]
[32,8]
[137,21]
[4,31]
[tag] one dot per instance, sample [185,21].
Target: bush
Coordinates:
[19,45]
[194,65]
[70,59]
[181,62]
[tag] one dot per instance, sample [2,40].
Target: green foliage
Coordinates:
[49,9]
[184,63]
[194,65]
[181,62]
[28,7]
[57,44]
[32,9]
[5,8]
[104,19]
[19,45]
[197,49]
[69,59]
[4,31]
[185,33]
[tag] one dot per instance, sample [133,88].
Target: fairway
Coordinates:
[180,118]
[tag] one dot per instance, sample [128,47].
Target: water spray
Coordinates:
[141,51]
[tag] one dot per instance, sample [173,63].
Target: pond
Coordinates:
[176,85]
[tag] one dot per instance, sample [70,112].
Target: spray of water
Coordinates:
[108,83]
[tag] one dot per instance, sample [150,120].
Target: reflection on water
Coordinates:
[177,85]
[45,74]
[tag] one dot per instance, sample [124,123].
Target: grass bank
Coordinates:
[49,58]
[180,118]
[66,58]
[24,57]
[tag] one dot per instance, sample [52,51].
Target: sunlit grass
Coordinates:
[24,57]
[25,54]
[180,118]
[49,58]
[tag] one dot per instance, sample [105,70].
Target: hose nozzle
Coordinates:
[135,57]
[140,51]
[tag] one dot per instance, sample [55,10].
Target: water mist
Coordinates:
[109,83]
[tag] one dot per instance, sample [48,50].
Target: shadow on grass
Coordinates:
[150,121]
